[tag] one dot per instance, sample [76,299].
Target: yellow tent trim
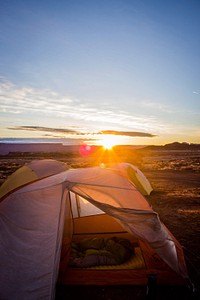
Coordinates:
[19,178]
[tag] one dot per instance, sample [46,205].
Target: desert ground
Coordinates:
[175,178]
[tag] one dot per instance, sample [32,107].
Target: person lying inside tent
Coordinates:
[100,251]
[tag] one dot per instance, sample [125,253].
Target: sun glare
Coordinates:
[109,141]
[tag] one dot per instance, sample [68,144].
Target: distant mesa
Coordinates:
[175,146]
[6,148]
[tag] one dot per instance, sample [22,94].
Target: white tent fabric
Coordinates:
[29,247]
[32,220]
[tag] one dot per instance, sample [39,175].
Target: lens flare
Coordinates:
[85,150]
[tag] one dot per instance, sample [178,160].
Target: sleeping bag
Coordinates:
[100,251]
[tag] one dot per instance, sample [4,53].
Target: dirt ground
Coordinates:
[175,178]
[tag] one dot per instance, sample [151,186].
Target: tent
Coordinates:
[41,217]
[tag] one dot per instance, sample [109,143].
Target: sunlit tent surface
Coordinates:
[34,218]
[31,172]
[132,173]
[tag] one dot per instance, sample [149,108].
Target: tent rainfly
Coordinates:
[44,204]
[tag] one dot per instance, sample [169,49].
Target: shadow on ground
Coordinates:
[123,293]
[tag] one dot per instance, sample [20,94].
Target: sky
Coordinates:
[84,70]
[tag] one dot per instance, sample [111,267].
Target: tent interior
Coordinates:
[88,227]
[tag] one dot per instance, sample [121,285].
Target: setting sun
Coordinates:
[109,141]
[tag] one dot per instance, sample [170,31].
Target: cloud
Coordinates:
[26,99]
[127,133]
[42,105]
[68,131]
[156,106]
[75,131]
